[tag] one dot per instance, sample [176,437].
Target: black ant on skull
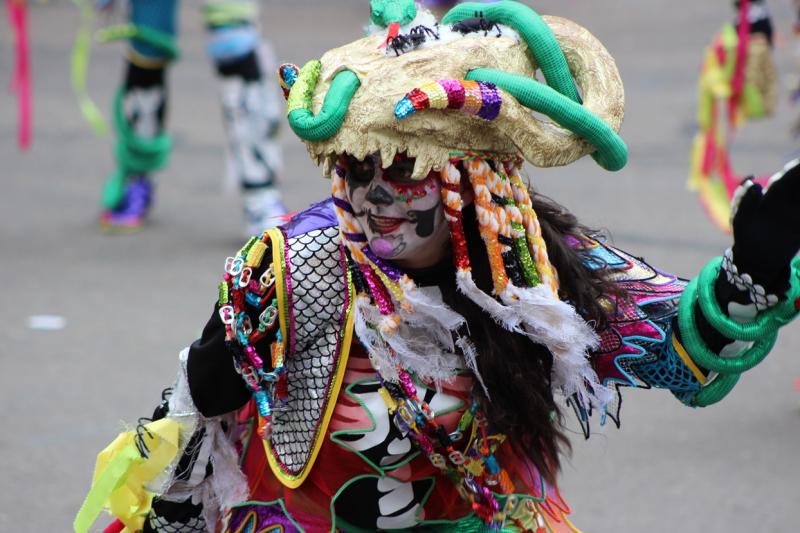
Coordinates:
[476,24]
[413,39]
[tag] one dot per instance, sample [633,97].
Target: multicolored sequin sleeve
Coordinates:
[640,346]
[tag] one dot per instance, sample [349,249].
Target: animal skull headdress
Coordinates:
[445,95]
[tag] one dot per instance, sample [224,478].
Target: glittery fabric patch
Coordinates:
[266,518]
[491,101]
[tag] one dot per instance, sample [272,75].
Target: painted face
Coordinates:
[402,218]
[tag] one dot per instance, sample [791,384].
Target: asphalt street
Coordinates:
[130,303]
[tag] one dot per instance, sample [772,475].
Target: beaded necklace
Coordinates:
[473,469]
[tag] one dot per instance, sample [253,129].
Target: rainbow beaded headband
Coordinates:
[474,97]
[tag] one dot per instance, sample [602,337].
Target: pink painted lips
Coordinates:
[384,225]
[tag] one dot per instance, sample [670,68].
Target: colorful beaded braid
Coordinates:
[381,277]
[538,250]
[478,98]
[491,222]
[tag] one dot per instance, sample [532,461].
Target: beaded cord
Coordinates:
[380,276]
[474,468]
[536,245]
[489,223]
[410,192]
[510,217]
[453,205]
[517,226]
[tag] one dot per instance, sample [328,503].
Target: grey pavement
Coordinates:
[132,302]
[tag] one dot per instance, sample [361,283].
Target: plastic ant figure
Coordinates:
[476,24]
[413,39]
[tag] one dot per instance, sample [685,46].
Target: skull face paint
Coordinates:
[403,219]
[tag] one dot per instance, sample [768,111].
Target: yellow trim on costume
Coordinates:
[279,272]
[294,481]
[687,360]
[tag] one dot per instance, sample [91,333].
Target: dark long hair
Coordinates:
[515,370]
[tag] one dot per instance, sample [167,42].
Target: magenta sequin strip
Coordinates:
[455,93]
[378,291]
[474,97]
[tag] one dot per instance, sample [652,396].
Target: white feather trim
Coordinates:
[422,342]
[499,312]
[556,325]
[378,351]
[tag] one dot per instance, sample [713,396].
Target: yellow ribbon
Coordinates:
[121,474]
[80,66]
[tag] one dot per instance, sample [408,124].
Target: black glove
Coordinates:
[766,229]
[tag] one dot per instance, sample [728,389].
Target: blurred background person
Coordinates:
[251,112]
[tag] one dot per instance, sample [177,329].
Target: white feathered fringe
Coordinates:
[425,340]
[555,324]
[500,313]
[228,485]
[539,314]
[471,359]
[378,351]
[432,307]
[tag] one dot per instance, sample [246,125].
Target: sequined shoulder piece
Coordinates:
[636,326]
[316,317]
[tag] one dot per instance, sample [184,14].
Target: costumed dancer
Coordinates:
[249,102]
[738,83]
[392,357]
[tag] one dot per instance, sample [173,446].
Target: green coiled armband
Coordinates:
[697,348]
[766,323]
[716,390]
[762,331]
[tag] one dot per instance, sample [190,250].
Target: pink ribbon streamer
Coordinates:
[21,81]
